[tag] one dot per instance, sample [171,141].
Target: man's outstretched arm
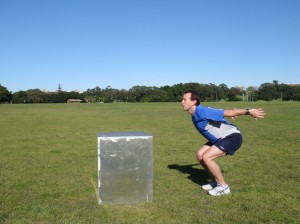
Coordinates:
[255,113]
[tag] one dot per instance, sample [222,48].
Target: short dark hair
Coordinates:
[194,96]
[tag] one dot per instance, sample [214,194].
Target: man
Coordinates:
[223,138]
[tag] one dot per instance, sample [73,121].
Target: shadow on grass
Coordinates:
[198,176]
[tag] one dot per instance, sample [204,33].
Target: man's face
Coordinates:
[186,102]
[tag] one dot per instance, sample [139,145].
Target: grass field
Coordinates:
[48,159]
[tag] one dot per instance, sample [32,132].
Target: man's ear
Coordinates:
[194,102]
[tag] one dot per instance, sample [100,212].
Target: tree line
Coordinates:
[209,92]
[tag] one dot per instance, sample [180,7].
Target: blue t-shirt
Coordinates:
[211,123]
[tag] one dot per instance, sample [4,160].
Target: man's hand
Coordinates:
[257,113]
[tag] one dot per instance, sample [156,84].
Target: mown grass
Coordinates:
[48,162]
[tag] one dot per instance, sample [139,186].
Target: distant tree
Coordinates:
[121,95]
[269,91]
[213,92]
[109,94]
[223,91]
[296,92]
[169,91]
[93,95]
[74,95]
[20,97]
[275,90]
[177,91]
[265,91]
[60,97]
[35,96]
[138,92]
[285,92]
[5,95]
[155,94]
[233,94]
[93,92]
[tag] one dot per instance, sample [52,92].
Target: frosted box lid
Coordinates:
[122,134]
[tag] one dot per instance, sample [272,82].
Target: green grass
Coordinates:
[48,161]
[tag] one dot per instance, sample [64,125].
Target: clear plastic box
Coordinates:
[125,167]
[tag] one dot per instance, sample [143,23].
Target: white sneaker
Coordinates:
[210,185]
[219,190]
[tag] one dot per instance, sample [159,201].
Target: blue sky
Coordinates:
[82,44]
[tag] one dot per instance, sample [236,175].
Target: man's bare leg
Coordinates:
[209,159]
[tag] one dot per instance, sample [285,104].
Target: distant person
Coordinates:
[223,138]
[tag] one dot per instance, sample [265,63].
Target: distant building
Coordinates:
[74,101]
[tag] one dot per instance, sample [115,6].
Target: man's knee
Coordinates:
[199,155]
[206,158]
[200,152]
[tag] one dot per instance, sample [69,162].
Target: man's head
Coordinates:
[190,100]
[194,96]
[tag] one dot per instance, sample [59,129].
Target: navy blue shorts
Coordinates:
[229,144]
